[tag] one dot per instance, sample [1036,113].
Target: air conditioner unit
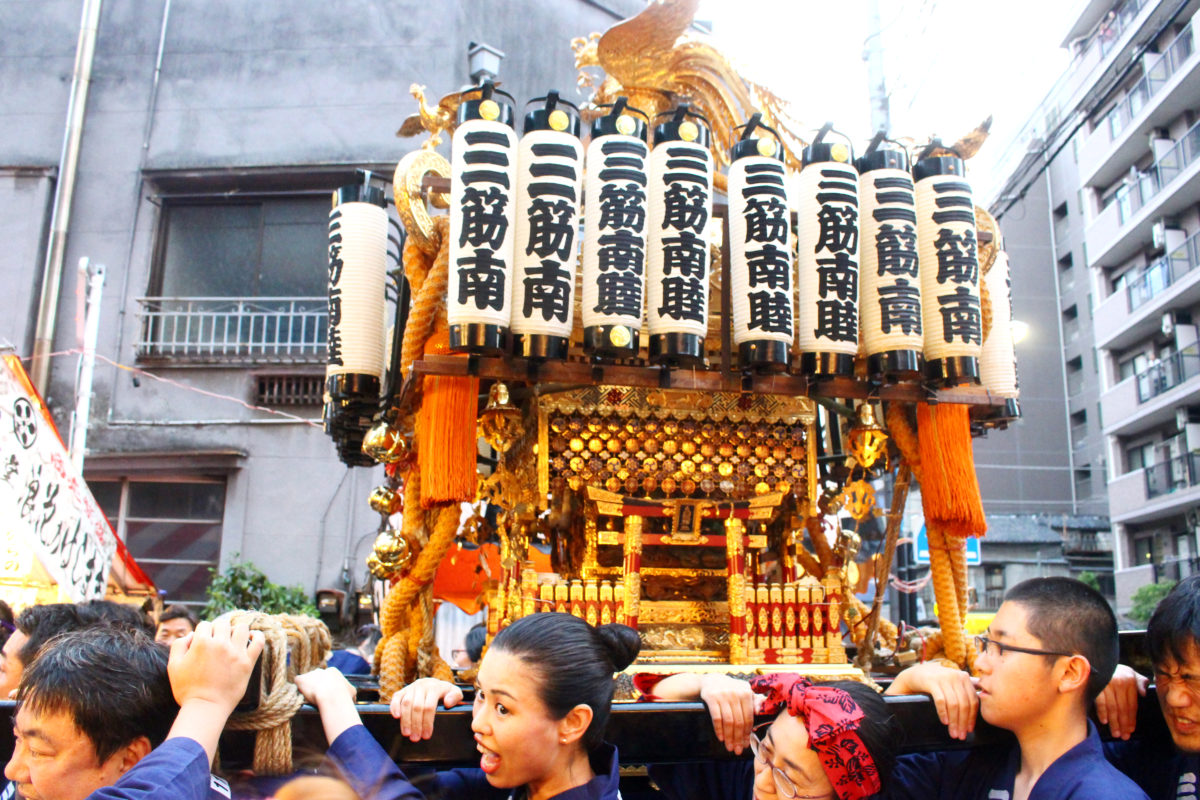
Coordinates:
[1165,236]
[1160,146]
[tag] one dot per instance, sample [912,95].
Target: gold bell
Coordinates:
[386,501]
[385,444]
[500,422]
[867,439]
[391,554]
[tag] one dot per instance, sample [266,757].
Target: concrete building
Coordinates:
[1104,182]
[212,135]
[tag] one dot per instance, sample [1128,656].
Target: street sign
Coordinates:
[974,554]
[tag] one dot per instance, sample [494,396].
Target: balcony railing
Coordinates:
[1168,373]
[1155,78]
[1135,194]
[1109,32]
[1172,475]
[1176,569]
[1163,273]
[219,329]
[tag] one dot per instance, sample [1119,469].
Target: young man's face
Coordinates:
[1015,685]
[1177,684]
[53,760]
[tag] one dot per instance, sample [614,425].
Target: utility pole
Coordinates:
[881,118]
[91,275]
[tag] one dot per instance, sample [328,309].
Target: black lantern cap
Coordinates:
[555,114]
[751,145]
[822,151]
[682,125]
[876,157]
[362,192]
[611,123]
[486,105]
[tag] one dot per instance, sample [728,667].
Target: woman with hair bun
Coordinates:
[542,699]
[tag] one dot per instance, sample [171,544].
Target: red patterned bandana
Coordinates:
[831,718]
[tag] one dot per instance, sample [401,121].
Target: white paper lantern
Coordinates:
[356,336]
[890,289]
[548,194]
[680,206]
[483,189]
[827,261]
[614,239]
[947,247]
[998,359]
[761,271]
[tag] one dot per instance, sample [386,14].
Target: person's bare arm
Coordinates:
[730,703]
[209,669]
[416,705]
[332,694]
[952,690]
[1117,705]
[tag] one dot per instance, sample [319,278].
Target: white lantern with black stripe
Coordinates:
[890,278]
[549,182]
[998,357]
[483,189]
[358,236]
[760,253]
[947,247]
[680,204]
[614,238]
[827,258]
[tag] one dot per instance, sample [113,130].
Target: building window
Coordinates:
[993,586]
[172,528]
[1147,549]
[271,247]
[239,280]
[1139,456]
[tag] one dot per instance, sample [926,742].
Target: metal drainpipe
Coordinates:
[64,191]
[123,297]
[1062,342]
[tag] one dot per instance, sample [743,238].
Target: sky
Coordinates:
[948,63]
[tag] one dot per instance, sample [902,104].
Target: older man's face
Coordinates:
[11,666]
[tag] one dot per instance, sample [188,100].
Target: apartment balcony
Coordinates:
[224,330]
[1129,316]
[1158,491]
[1149,398]
[1167,89]
[1087,542]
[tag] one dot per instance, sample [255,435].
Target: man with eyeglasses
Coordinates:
[1049,651]
[1165,770]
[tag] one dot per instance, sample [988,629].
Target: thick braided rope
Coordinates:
[293,644]
[428,301]
[402,596]
[946,592]
[904,436]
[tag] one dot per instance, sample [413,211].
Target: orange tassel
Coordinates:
[949,486]
[446,434]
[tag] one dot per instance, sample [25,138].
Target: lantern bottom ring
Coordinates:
[830,364]
[896,364]
[763,355]
[540,346]
[677,349]
[611,341]
[952,370]
[479,338]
